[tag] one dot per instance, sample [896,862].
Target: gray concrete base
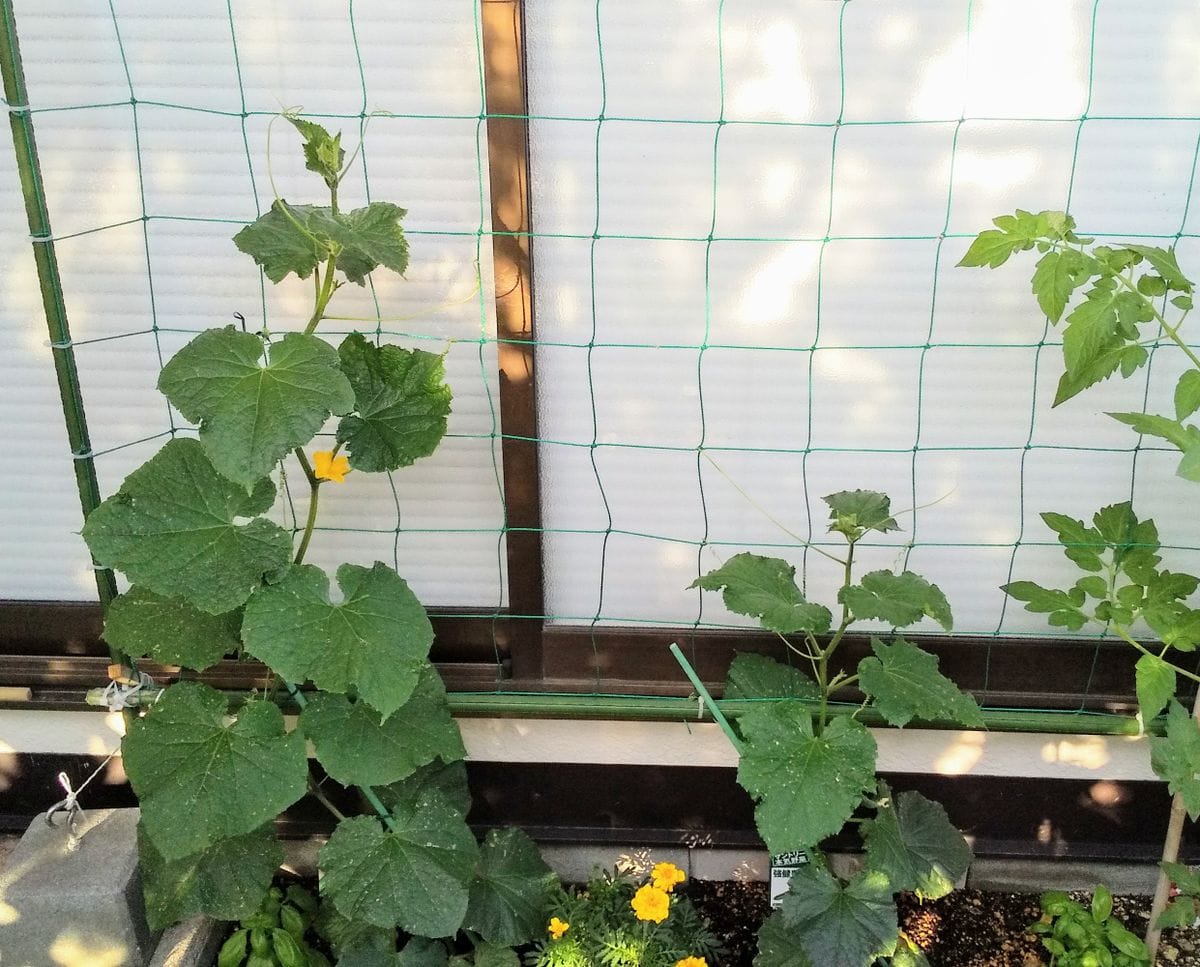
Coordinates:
[1034,876]
[76,902]
[193,943]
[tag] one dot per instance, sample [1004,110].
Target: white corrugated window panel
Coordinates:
[41,555]
[146,196]
[748,220]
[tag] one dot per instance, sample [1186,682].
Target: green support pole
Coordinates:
[21,124]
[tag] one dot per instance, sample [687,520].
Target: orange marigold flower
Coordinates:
[692,962]
[651,903]
[558,927]
[666,876]
[328,467]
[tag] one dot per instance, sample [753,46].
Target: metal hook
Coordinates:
[70,806]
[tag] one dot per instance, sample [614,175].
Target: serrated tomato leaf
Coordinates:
[200,778]
[1063,607]
[375,641]
[255,401]
[1155,680]
[401,404]
[1175,757]
[172,529]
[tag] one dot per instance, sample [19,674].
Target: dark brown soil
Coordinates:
[968,928]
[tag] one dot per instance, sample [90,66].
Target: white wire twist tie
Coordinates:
[70,805]
[119,694]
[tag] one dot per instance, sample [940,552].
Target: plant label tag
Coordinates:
[782,868]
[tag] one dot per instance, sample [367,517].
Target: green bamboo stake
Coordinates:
[708,700]
[33,190]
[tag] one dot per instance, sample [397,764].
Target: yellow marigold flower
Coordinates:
[665,876]
[557,928]
[692,962]
[651,903]
[328,467]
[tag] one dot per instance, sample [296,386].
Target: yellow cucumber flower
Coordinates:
[557,928]
[665,876]
[328,467]
[651,903]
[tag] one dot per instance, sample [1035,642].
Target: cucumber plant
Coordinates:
[1124,300]
[810,766]
[212,575]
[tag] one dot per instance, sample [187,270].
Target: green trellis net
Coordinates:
[745,222]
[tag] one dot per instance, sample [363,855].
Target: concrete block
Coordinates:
[1034,876]
[75,903]
[193,943]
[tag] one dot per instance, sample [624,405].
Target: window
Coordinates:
[736,227]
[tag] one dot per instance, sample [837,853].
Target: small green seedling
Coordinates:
[275,934]
[1079,936]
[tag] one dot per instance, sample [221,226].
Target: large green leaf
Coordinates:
[228,880]
[510,893]
[401,404]
[779,945]
[423,952]
[375,641]
[171,528]
[912,841]
[806,785]
[1175,757]
[444,781]
[357,750]
[201,779]
[757,676]
[853,512]
[765,588]
[280,242]
[899,599]
[169,630]
[415,875]
[1155,685]
[255,401]
[841,925]
[370,237]
[905,683]
[296,238]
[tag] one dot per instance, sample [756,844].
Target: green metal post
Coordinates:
[32,188]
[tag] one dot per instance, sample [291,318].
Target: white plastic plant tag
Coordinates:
[782,868]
